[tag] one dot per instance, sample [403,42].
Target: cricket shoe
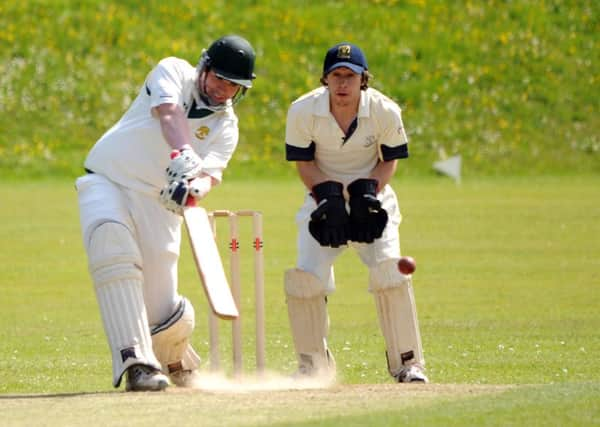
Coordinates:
[188,378]
[412,374]
[145,378]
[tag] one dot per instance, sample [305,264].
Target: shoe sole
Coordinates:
[159,387]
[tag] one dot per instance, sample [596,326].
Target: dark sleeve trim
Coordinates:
[293,153]
[392,153]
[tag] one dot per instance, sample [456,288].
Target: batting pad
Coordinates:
[114,260]
[171,340]
[309,322]
[396,310]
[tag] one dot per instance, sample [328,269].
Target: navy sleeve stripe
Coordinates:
[293,153]
[392,153]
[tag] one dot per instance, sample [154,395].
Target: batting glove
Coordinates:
[174,196]
[185,164]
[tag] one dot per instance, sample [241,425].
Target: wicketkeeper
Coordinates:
[133,174]
[346,139]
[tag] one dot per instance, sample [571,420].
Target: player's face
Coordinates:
[218,89]
[344,86]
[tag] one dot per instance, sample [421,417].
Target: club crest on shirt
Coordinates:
[202,132]
[370,140]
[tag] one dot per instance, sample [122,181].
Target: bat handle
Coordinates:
[190,202]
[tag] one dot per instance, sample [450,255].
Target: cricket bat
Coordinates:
[209,264]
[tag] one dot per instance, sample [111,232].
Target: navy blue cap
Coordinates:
[345,55]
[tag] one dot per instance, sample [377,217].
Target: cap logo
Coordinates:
[344,51]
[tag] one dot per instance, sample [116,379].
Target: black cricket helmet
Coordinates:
[232,58]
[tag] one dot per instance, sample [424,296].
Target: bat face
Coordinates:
[209,264]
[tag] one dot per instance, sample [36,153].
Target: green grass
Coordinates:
[506,287]
[548,405]
[510,85]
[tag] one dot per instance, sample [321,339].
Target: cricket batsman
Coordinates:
[346,139]
[172,143]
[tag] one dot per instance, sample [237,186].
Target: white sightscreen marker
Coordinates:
[450,167]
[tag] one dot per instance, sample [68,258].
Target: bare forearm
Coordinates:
[173,125]
[310,174]
[383,173]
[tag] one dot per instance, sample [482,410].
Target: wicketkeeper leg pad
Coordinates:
[396,310]
[171,340]
[114,263]
[309,322]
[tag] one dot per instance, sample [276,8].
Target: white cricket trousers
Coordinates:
[156,231]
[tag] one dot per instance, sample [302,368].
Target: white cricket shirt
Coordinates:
[379,134]
[134,153]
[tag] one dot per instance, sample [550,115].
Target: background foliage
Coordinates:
[510,85]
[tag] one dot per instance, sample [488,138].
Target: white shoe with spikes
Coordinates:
[412,374]
[145,378]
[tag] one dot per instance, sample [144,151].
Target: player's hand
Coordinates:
[174,196]
[178,194]
[367,218]
[329,221]
[185,165]
[199,187]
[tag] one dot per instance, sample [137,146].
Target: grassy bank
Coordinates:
[511,86]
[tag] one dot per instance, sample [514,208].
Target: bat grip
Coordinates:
[190,202]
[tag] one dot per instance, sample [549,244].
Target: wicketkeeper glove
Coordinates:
[329,221]
[367,218]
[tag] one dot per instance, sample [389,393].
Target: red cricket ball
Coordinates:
[407,265]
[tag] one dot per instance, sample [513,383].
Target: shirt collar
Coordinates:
[363,105]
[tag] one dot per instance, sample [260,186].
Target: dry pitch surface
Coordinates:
[221,402]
